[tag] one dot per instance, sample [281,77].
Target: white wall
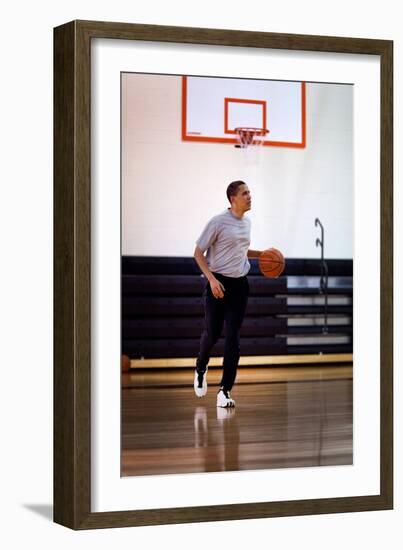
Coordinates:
[26,229]
[169,185]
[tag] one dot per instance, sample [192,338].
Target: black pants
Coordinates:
[230,309]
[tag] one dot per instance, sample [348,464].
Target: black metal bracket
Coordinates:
[324,272]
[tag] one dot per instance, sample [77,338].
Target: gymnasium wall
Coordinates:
[171,188]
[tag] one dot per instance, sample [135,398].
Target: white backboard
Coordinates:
[213,107]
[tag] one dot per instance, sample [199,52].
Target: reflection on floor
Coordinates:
[284,417]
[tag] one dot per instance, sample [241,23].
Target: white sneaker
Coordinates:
[224,399]
[200,383]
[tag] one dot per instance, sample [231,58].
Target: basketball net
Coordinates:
[250,136]
[250,140]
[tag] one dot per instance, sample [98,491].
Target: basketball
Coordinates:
[271,263]
[125,363]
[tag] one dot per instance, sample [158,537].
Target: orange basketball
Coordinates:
[271,263]
[125,363]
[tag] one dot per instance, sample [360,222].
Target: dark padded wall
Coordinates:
[162,313]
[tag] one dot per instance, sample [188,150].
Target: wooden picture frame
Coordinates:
[72,273]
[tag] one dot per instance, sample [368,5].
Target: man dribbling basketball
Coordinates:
[226,239]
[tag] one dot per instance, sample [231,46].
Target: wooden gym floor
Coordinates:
[284,418]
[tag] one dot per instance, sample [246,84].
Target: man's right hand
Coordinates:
[217,288]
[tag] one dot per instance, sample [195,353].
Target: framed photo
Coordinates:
[151,125]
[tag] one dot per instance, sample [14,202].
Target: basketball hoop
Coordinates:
[250,136]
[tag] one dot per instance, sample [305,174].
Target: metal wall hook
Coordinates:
[324,271]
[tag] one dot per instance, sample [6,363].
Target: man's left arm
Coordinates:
[253,253]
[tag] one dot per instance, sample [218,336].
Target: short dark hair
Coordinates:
[232,188]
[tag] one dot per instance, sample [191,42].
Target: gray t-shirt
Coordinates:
[226,239]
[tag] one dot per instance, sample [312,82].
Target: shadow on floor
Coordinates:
[44,510]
